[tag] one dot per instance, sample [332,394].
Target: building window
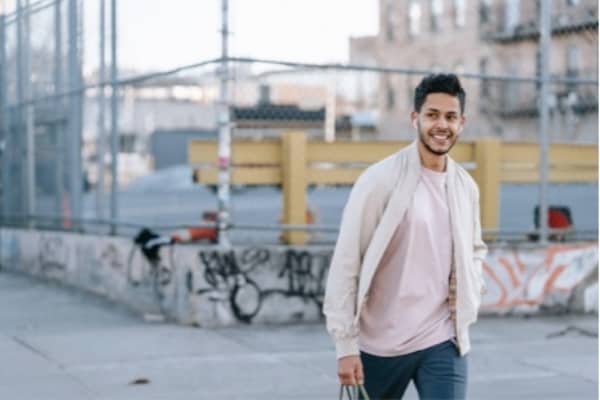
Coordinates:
[572,2]
[390,97]
[511,15]
[437,9]
[460,13]
[485,11]
[414,18]
[485,83]
[512,89]
[389,21]
[573,61]
[410,90]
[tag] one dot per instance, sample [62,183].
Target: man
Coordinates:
[405,280]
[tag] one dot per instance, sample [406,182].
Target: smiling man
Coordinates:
[405,280]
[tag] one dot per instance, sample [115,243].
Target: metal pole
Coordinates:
[29,121]
[330,107]
[100,140]
[114,133]
[545,32]
[18,134]
[74,143]
[59,130]
[224,133]
[3,130]
[4,127]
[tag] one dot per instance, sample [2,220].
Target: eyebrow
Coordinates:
[436,110]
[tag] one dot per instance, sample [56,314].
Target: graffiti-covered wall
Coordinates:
[529,279]
[209,286]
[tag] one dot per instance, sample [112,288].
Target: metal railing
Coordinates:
[130,229]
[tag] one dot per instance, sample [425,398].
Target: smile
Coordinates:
[440,138]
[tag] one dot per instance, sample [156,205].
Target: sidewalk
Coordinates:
[65,345]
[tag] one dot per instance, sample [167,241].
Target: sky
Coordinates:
[162,34]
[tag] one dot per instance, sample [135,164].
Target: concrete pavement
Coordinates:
[65,345]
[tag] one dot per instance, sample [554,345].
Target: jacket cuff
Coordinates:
[347,347]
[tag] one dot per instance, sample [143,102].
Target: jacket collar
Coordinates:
[414,160]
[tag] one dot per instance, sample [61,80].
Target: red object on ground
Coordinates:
[194,234]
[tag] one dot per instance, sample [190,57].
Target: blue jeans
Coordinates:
[439,372]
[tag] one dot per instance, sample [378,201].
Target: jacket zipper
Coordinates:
[454,271]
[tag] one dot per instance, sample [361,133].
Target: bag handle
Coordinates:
[352,391]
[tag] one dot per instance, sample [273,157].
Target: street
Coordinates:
[169,198]
[57,343]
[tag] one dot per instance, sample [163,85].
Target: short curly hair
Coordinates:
[439,83]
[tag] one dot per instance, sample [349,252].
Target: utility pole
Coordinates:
[73,145]
[224,133]
[19,137]
[544,49]
[60,107]
[114,133]
[29,120]
[100,139]
[4,124]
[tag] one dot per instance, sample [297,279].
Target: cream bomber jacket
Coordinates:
[376,205]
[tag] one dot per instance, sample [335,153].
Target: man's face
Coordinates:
[439,122]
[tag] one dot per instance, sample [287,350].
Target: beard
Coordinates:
[439,151]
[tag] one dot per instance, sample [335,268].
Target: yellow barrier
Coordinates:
[294,162]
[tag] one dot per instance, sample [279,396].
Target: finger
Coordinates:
[360,377]
[347,379]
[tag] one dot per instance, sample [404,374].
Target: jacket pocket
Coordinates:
[473,290]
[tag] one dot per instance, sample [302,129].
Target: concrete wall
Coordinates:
[207,286]
[534,279]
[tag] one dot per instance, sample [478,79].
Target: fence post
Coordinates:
[293,156]
[488,157]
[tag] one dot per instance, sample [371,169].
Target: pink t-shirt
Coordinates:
[407,309]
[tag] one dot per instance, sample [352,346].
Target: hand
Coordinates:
[350,371]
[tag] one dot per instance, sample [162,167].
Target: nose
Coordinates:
[441,123]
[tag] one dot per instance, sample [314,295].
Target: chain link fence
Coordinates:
[55,88]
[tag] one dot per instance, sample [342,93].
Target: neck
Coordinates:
[430,160]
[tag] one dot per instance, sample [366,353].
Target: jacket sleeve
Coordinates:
[479,247]
[339,306]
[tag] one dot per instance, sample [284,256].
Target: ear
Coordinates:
[413,117]
[463,120]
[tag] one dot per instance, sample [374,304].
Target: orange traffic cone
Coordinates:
[194,234]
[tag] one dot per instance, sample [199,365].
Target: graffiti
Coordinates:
[111,256]
[517,279]
[53,253]
[228,280]
[305,273]
[233,278]
[528,279]
[213,287]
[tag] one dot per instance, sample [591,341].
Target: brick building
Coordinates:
[495,37]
